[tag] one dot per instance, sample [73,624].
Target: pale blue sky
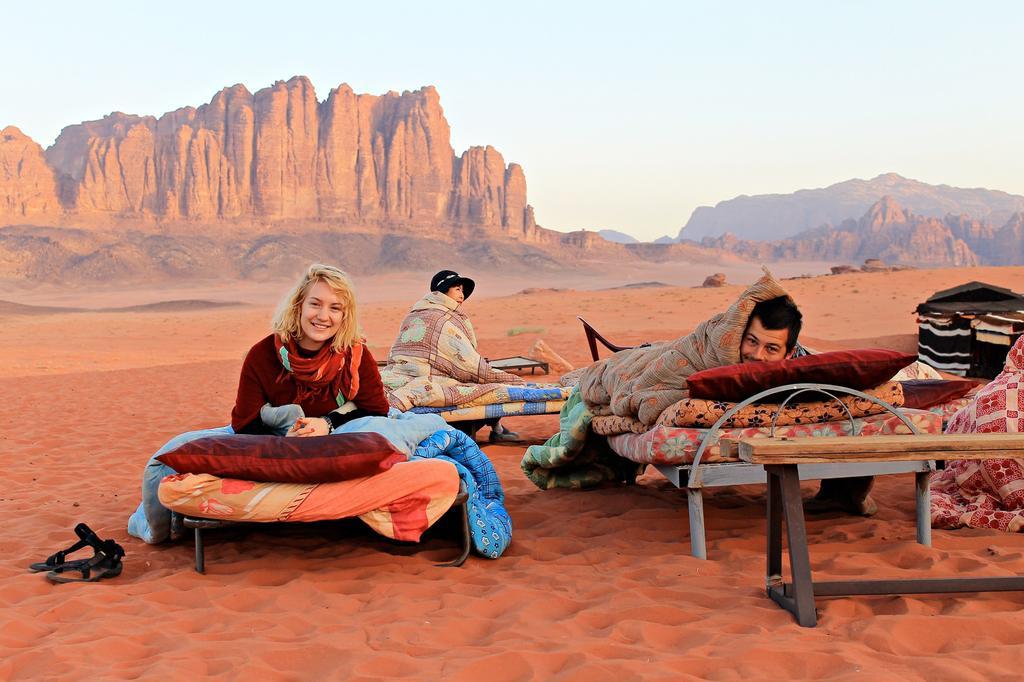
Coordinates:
[624,115]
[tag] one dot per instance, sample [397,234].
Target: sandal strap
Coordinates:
[113,550]
[87,539]
[88,536]
[85,567]
[60,557]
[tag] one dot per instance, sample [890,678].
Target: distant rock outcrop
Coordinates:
[276,156]
[715,280]
[618,237]
[27,184]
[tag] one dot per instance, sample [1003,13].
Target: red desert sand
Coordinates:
[596,585]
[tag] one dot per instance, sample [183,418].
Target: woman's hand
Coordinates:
[309,426]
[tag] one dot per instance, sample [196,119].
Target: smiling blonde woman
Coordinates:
[315,363]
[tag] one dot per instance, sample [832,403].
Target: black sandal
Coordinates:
[105,563]
[60,558]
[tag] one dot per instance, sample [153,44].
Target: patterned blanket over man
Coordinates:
[986,493]
[640,384]
[434,361]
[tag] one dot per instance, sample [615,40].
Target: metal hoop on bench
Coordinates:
[712,437]
[782,406]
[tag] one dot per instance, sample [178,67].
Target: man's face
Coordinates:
[763,345]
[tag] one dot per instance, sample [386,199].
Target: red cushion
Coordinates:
[856,369]
[921,394]
[317,459]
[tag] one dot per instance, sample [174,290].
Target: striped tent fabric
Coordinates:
[993,336]
[945,343]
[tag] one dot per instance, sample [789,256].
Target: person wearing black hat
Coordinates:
[447,280]
[434,362]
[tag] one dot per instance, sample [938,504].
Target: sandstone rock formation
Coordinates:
[715,280]
[27,185]
[278,156]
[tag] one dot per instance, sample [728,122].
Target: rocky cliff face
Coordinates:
[27,184]
[275,156]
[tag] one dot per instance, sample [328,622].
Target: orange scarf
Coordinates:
[328,372]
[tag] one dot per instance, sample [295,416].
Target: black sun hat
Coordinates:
[446,279]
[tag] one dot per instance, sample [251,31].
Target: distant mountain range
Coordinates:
[258,184]
[618,237]
[893,234]
[623,238]
[780,216]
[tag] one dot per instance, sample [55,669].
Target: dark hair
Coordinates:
[780,313]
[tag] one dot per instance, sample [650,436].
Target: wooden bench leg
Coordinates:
[695,503]
[922,481]
[773,572]
[801,593]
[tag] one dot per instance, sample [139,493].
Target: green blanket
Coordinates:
[573,457]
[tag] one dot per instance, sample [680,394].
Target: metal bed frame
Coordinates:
[696,476]
[199,524]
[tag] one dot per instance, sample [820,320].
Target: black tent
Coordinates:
[968,329]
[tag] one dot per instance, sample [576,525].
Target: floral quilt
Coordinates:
[678,445]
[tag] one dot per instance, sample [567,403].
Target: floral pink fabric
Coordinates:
[986,493]
[678,445]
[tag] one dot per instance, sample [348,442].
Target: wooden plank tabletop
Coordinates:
[806,450]
[517,362]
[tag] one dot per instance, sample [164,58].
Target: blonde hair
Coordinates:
[287,319]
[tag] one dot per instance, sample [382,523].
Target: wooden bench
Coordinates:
[781,457]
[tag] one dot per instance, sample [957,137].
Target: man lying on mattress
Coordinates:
[771,335]
[434,362]
[761,326]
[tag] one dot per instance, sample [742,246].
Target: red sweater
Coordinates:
[259,385]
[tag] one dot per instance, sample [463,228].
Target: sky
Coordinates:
[624,116]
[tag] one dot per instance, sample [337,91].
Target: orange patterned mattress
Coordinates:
[399,503]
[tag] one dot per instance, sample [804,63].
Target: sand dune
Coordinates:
[179,305]
[596,585]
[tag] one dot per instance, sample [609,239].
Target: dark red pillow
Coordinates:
[856,369]
[317,459]
[921,394]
